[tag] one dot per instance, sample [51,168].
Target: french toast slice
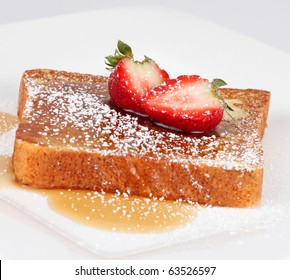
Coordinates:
[70,135]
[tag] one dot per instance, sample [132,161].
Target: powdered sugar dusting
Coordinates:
[80,115]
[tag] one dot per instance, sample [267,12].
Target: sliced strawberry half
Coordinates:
[130,80]
[187,103]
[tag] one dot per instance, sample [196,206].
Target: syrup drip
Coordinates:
[7,122]
[109,211]
[117,212]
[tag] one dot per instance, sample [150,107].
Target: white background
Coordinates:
[264,20]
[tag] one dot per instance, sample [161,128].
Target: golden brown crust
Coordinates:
[222,168]
[53,168]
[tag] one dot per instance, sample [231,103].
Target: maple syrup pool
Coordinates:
[116,212]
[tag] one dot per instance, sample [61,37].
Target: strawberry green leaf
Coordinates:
[124,49]
[112,61]
[227,106]
[216,83]
[146,58]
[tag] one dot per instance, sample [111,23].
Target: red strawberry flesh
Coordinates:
[186,103]
[131,80]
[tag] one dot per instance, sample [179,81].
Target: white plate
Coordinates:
[182,44]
